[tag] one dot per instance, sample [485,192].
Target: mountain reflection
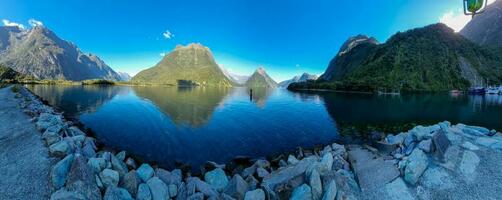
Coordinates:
[259,96]
[76,99]
[184,105]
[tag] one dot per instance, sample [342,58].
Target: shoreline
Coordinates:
[115,174]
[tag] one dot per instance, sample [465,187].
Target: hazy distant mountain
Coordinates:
[352,53]
[259,79]
[431,58]
[486,28]
[192,64]
[236,78]
[124,76]
[302,78]
[40,53]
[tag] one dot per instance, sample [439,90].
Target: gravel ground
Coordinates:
[24,160]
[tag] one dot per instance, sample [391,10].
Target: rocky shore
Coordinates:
[442,161]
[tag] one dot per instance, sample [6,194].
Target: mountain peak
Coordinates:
[261,71]
[355,41]
[260,78]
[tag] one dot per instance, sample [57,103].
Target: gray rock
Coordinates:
[339,163]
[292,160]
[347,186]
[330,191]
[173,190]
[88,150]
[52,135]
[409,139]
[216,179]
[196,196]
[81,179]
[130,182]
[302,192]
[397,139]
[60,171]
[97,164]
[441,143]
[286,174]
[145,172]
[46,120]
[252,182]
[426,145]
[237,187]
[314,181]
[182,192]
[98,182]
[469,163]
[115,193]
[144,192]
[59,149]
[326,163]
[121,155]
[64,194]
[118,165]
[415,167]
[397,190]
[158,189]
[74,131]
[130,163]
[410,148]
[436,178]
[494,142]
[423,133]
[257,194]
[201,186]
[109,178]
[475,130]
[470,146]
[339,150]
[262,173]
[173,177]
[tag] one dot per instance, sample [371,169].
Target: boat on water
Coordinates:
[477,91]
[493,91]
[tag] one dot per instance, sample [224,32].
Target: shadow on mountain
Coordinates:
[76,99]
[184,105]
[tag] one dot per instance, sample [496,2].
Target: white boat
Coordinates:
[493,90]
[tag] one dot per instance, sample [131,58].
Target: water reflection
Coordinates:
[259,95]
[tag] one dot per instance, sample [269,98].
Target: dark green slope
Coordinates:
[185,64]
[432,58]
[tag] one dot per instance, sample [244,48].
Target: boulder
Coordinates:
[130,163]
[217,179]
[143,192]
[395,140]
[109,177]
[52,134]
[200,186]
[426,145]
[173,177]
[60,171]
[314,181]
[330,191]
[347,186]
[292,160]
[46,120]
[121,155]
[441,143]
[286,174]
[469,163]
[257,194]
[470,146]
[115,193]
[339,163]
[237,187]
[74,131]
[81,179]
[158,189]
[173,190]
[261,173]
[182,192]
[397,190]
[303,192]
[64,194]
[410,148]
[196,196]
[97,164]
[326,163]
[494,142]
[415,167]
[59,149]
[88,150]
[475,130]
[145,172]
[339,150]
[130,182]
[118,165]
[252,182]
[436,178]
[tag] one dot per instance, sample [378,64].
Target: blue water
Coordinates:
[165,125]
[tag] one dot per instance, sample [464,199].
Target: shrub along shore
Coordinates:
[401,166]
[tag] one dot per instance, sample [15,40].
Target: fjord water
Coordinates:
[165,124]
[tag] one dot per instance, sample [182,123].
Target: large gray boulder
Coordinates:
[110,178]
[201,186]
[64,194]
[347,186]
[314,180]
[237,187]
[59,149]
[115,193]
[118,165]
[284,175]
[158,189]
[130,182]
[143,192]
[397,190]
[330,191]
[145,172]
[97,164]
[257,194]
[303,192]
[416,165]
[217,179]
[173,177]
[60,171]
[46,120]
[81,179]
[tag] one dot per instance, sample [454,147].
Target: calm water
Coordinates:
[193,125]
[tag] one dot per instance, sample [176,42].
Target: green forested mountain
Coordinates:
[260,79]
[192,64]
[9,75]
[432,58]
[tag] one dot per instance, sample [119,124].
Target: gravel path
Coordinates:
[24,160]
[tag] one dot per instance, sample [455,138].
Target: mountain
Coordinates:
[124,76]
[260,79]
[192,64]
[486,28]
[351,55]
[431,58]
[236,78]
[302,78]
[40,53]
[8,74]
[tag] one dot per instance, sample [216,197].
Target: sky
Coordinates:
[286,37]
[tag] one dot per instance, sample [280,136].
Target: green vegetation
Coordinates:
[98,82]
[433,58]
[15,88]
[260,79]
[190,64]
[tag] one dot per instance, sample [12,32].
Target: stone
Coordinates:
[426,145]
[410,148]
[339,163]
[64,194]
[470,146]
[493,142]
[252,182]
[469,163]
[237,187]
[436,178]
[441,143]
[326,163]
[121,155]
[52,135]
[347,186]
[97,164]
[99,183]
[286,174]
[409,139]
[145,172]
[130,182]
[302,192]
[158,189]
[59,149]
[216,179]
[395,140]
[384,147]
[201,186]
[339,150]
[257,194]
[444,125]
[130,163]
[46,120]
[262,173]
[60,171]
[81,179]
[326,150]
[423,133]
[143,192]
[115,193]
[196,196]
[397,190]
[109,178]
[173,190]
[173,177]
[330,191]
[88,150]
[475,130]
[118,165]
[292,160]
[314,181]
[415,167]
[74,131]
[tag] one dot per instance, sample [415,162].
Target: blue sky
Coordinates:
[287,37]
